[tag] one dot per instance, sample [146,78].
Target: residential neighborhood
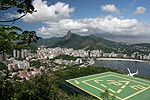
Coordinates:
[47,57]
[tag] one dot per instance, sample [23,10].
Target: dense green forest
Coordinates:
[48,86]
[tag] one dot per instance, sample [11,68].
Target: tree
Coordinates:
[80,97]
[38,88]
[29,36]
[23,7]
[9,36]
[10,39]
[2,66]
[106,96]
[6,87]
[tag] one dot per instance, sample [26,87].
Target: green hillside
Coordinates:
[76,41]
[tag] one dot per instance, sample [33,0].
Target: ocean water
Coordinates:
[143,67]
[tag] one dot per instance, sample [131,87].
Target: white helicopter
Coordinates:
[132,74]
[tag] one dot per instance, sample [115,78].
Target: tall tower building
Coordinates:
[18,53]
[14,53]
[25,52]
[22,53]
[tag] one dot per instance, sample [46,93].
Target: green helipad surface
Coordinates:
[122,86]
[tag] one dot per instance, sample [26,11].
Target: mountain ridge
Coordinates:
[75,41]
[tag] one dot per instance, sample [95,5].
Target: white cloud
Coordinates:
[45,12]
[99,25]
[140,10]
[110,8]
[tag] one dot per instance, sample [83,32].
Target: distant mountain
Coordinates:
[76,41]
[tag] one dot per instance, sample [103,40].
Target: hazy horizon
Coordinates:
[124,39]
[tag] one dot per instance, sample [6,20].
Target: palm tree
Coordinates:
[106,96]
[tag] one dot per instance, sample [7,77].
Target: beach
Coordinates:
[121,59]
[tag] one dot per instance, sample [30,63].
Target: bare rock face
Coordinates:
[69,35]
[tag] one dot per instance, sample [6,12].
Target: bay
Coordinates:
[143,67]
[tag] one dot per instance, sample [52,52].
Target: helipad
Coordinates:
[121,86]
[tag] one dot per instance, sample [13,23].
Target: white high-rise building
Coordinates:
[22,53]
[18,54]
[14,53]
[25,52]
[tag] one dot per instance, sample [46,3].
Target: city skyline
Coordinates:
[122,21]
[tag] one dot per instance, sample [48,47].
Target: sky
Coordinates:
[118,20]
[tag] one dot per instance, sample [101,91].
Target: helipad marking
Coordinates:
[137,86]
[99,77]
[94,86]
[111,90]
[116,74]
[119,91]
[76,82]
[84,90]
[115,83]
[97,81]
[135,93]
[100,89]
[104,85]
